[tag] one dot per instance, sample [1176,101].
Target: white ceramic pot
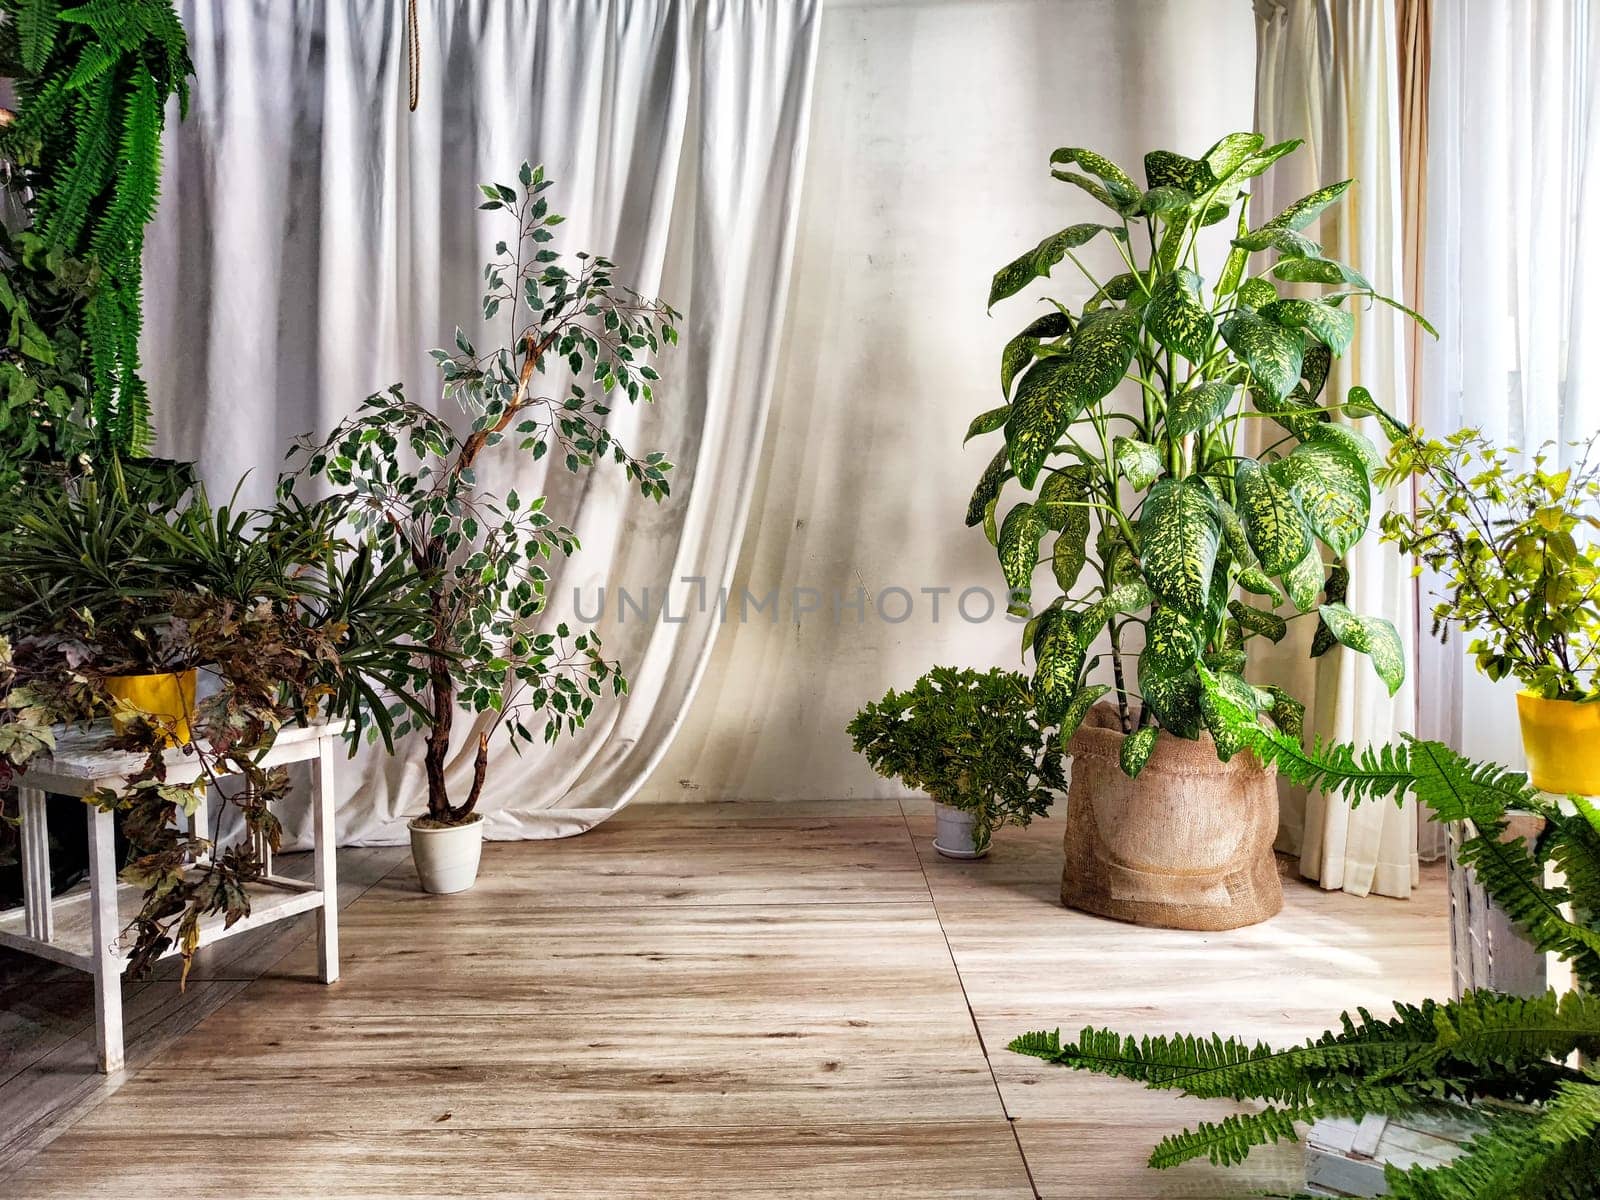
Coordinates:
[447,858]
[952,833]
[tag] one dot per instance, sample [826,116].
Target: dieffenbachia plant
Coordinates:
[1187,534]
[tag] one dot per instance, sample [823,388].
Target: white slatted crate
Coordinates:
[1346,1157]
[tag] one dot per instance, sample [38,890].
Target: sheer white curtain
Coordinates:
[1513,249]
[316,239]
[1326,72]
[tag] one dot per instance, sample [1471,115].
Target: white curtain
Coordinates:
[1326,72]
[1513,249]
[316,239]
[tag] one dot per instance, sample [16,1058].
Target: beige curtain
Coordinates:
[1326,71]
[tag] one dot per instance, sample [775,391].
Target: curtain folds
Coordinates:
[1326,72]
[316,239]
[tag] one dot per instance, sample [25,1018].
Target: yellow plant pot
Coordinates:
[169,696]
[1562,741]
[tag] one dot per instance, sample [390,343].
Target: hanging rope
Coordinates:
[414,55]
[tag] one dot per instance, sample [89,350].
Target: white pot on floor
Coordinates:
[952,833]
[446,856]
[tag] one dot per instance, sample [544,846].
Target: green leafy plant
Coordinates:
[969,739]
[410,484]
[1514,550]
[1502,1055]
[1186,535]
[93,80]
[290,622]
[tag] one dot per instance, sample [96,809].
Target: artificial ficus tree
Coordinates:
[410,483]
[1184,532]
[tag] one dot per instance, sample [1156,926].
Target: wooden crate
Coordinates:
[1486,949]
[1346,1157]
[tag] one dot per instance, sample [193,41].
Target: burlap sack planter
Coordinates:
[1186,845]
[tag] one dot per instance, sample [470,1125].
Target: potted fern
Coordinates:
[1171,545]
[411,485]
[971,740]
[1512,549]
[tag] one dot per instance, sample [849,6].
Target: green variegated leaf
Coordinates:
[1119,185]
[1229,707]
[1356,442]
[1278,531]
[1297,216]
[1231,153]
[1333,592]
[1257,292]
[1234,535]
[1175,699]
[1287,713]
[1139,462]
[1078,708]
[1099,356]
[1333,327]
[1263,624]
[990,529]
[1177,319]
[1233,266]
[1319,270]
[1044,407]
[1179,533]
[1021,350]
[993,479]
[1373,636]
[1042,259]
[1330,483]
[1198,407]
[1168,203]
[1059,649]
[1359,403]
[1064,492]
[1273,353]
[1094,188]
[1118,288]
[1172,642]
[1163,168]
[1292,413]
[1130,595]
[1286,242]
[1259,162]
[1019,549]
[1070,553]
[1313,374]
[1136,748]
[1303,581]
[987,422]
[1254,579]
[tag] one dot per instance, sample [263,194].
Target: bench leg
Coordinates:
[324,854]
[106,928]
[37,915]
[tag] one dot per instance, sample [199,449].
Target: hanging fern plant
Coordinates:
[93,84]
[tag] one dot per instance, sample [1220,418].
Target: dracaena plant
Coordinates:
[1125,421]
[410,483]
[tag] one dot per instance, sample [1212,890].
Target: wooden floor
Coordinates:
[699,1000]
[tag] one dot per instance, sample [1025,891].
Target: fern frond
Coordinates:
[1459,789]
[1229,1141]
[1486,1030]
[37,22]
[1511,1161]
[1515,880]
[119,233]
[64,209]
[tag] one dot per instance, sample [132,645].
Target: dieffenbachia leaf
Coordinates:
[1115,182]
[1098,357]
[1330,482]
[1136,749]
[1297,216]
[1319,270]
[1044,407]
[1071,550]
[1234,535]
[1264,624]
[1287,713]
[1198,407]
[1139,462]
[1233,266]
[1021,350]
[1359,403]
[1166,202]
[1303,581]
[1286,242]
[1229,716]
[1042,259]
[1178,537]
[1373,636]
[989,484]
[1278,530]
[1175,699]
[1294,414]
[1065,492]
[1177,319]
[1019,549]
[1060,648]
[1260,161]
[1256,292]
[1331,326]
[1118,288]
[987,422]
[1333,592]
[1254,579]
[1163,168]
[1128,595]
[1353,440]
[1172,642]
[1313,373]
[1272,353]
[1231,153]
[1078,708]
